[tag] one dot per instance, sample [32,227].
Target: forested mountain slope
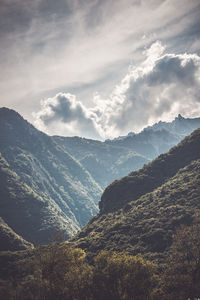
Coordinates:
[104,162]
[28,214]
[58,179]
[141,212]
[10,241]
[152,175]
[68,174]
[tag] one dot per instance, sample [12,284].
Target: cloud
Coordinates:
[161,87]
[63,114]
[55,45]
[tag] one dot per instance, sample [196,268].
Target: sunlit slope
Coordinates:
[48,170]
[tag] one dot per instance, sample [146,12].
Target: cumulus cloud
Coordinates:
[161,87]
[63,114]
[49,46]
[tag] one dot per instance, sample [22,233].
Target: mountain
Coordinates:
[103,161]
[10,241]
[61,193]
[66,175]
[158,138]
[31,216]
[140,212]
[180,125]
[151,176]
[113,159]
[149,143]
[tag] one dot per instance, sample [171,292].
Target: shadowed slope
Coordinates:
[150,204]
[151,176]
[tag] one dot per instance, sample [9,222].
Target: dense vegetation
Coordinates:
[66,190]
[57,271]
[144,243]
[66,175]
[146,224]
[25,211]
[10,240]
[152,175]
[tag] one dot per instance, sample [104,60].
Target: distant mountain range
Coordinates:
[112,159]
[140,212]
[55,183]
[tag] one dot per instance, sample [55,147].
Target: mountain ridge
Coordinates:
[113,159]
[145,176]
[145,223]
[11,241]
[68,174]
[49,171]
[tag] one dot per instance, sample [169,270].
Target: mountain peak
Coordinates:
[180,117]
[10,115]
[7,111]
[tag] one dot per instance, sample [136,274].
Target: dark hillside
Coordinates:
[151,175]
[10,241]
[48,170]
[141,212]
[146,225]
[26,212]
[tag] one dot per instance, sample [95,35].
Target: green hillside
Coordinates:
[140,213]
[67,174]
[152,175]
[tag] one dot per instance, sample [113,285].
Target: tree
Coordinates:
[119,276]
[182,275]
[59,272]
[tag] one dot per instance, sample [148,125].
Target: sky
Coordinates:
[100,68]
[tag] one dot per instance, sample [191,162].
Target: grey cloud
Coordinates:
[95,14]
[163,91]
[59,8]
[25,20]
[17,15]
[169,69]
[189,34]
[63,110]
[161,87]
[51,45]
[14,16]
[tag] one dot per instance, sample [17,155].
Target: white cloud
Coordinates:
[161,87]
[63,114]
[53,45]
